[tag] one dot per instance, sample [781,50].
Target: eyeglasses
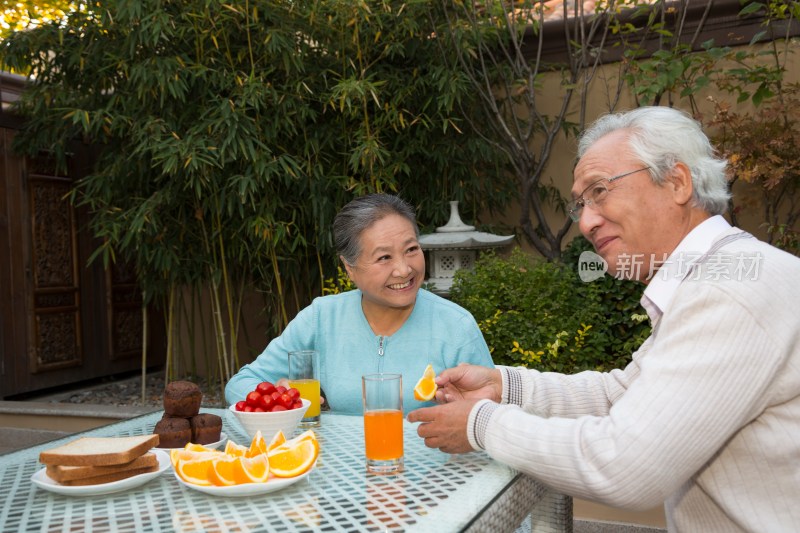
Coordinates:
[594,195]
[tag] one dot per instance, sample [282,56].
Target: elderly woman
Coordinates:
[389,324]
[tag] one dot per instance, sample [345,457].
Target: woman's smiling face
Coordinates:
[390,269]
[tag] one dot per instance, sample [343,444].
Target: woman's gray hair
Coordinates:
[360,214]
[661,137]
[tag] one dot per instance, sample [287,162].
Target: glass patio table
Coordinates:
[436,492]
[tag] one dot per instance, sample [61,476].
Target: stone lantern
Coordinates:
[455,246]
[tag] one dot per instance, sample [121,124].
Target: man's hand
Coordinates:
[444,426]
[469,382]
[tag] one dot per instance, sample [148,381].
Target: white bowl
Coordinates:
[270,423]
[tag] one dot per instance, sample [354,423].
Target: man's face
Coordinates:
[637,223]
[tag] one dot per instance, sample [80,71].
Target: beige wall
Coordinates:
[602,99]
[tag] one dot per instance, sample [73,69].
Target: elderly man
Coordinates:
[707,415]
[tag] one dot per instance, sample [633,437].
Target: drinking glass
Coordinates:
[304,376]
[382,395]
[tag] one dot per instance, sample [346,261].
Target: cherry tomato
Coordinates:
[266,402]
[294,393]
[286,400]
[252,398]
[265,387]
[278,408]
[240,405]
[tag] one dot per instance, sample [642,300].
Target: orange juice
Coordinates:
[308,389]
[383,433]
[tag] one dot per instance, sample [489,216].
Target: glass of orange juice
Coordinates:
[304,376]
[382,396]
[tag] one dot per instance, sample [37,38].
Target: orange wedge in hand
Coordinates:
[293,458]
[425,389]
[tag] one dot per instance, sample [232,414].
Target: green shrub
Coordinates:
[540,314]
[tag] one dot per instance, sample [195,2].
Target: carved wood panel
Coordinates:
[125,302]
[56,331]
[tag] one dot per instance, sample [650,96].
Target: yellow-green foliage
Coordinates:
[342,283]
[562,348]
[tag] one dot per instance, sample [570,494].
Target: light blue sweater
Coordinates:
[438,332]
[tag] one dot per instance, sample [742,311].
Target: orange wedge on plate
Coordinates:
[257,446]
[235,450]
[253,470]
[222,471]
[425,389]
[229,471]
[179,454]
[308,435]
[231,467]
[276,441]
[197,448]
[295,459]
[174,456]
[195,471]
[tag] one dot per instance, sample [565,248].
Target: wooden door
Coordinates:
[63,320]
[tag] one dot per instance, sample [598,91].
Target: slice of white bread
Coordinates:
[63,473]
[99,451]
[108,478]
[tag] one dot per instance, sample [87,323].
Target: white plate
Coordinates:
[223,438]
[248,489]
[42,480]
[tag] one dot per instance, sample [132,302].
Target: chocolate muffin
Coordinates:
[173,432]
[182,398]
[206,428]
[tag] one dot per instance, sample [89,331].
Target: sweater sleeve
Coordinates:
[695,386]
[550,394]
[273,363]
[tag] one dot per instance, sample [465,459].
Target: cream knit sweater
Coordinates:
[705,418]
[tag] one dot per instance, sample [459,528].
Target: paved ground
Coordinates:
[128,392]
